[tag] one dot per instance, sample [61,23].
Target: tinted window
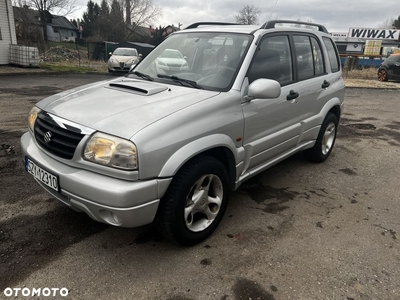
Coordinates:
[317,56]
[332,54]
[304,57]
[272,60]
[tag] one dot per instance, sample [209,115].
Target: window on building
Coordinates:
[55,29]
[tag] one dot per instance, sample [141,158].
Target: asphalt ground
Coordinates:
[297,231]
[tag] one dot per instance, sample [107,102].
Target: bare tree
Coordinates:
[387,24]
[45,6]
[140,13]
[248,15]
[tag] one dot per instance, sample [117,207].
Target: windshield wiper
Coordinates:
[144,76]
[181,80]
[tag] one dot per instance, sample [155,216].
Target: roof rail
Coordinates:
[271,24]
[195,25]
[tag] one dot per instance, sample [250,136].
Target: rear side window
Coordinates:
[317,55]
[332,54]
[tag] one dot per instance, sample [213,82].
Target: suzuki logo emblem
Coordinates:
[47,137]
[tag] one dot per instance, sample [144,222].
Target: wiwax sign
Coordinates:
[367,33]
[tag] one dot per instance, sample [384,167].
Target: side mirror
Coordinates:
[140,55]
[263,89]
[185,57]
[109,53]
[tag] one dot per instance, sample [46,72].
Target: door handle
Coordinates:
[325,84]
[292,95]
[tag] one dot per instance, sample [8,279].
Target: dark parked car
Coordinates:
[390,68]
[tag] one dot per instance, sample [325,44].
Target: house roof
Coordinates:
[174,28]
[62,22]
[24,14]
[140,30]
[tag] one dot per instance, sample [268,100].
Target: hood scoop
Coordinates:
[137,87]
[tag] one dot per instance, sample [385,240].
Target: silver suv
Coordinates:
[169,141]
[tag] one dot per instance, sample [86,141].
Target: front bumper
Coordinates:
[105,199]
[119,67]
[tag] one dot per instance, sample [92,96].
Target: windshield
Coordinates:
[211,60]
[125,52]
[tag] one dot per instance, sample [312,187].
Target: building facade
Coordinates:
[7,31]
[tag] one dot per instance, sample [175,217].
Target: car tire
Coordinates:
[325,141]
[195,201]
[111,72]
[383,75]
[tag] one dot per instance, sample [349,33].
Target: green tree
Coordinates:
[158,36]
[117,27]
[396,23]
[104,20]
[90,19]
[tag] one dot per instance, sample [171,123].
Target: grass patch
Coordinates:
[367,73]
[66,68]
[71,46]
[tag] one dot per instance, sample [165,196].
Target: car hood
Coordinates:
[167,60]
[123,58]
[123,106]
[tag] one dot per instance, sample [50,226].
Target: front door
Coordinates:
[272,126]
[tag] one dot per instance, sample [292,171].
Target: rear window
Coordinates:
[332,54]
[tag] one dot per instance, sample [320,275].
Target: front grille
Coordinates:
[58,141]
[174,65]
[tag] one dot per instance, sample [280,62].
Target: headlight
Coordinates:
[32,117]
[161,63]
[112,60]
[111,151]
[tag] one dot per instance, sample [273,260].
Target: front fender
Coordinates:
[184,154]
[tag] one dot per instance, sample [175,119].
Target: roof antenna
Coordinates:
[273,10]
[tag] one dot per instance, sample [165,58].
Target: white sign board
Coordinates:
[339,34]
[367,33]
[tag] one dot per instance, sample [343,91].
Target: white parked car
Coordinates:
[171,60]
[122,59]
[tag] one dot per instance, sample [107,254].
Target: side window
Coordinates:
[317,56]
[304,56]
[332,54]
[272,60]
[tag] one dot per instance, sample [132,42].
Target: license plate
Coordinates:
[41,174]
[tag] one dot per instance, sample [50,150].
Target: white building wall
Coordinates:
[7,28]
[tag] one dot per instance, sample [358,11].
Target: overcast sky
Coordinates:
[336,15]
